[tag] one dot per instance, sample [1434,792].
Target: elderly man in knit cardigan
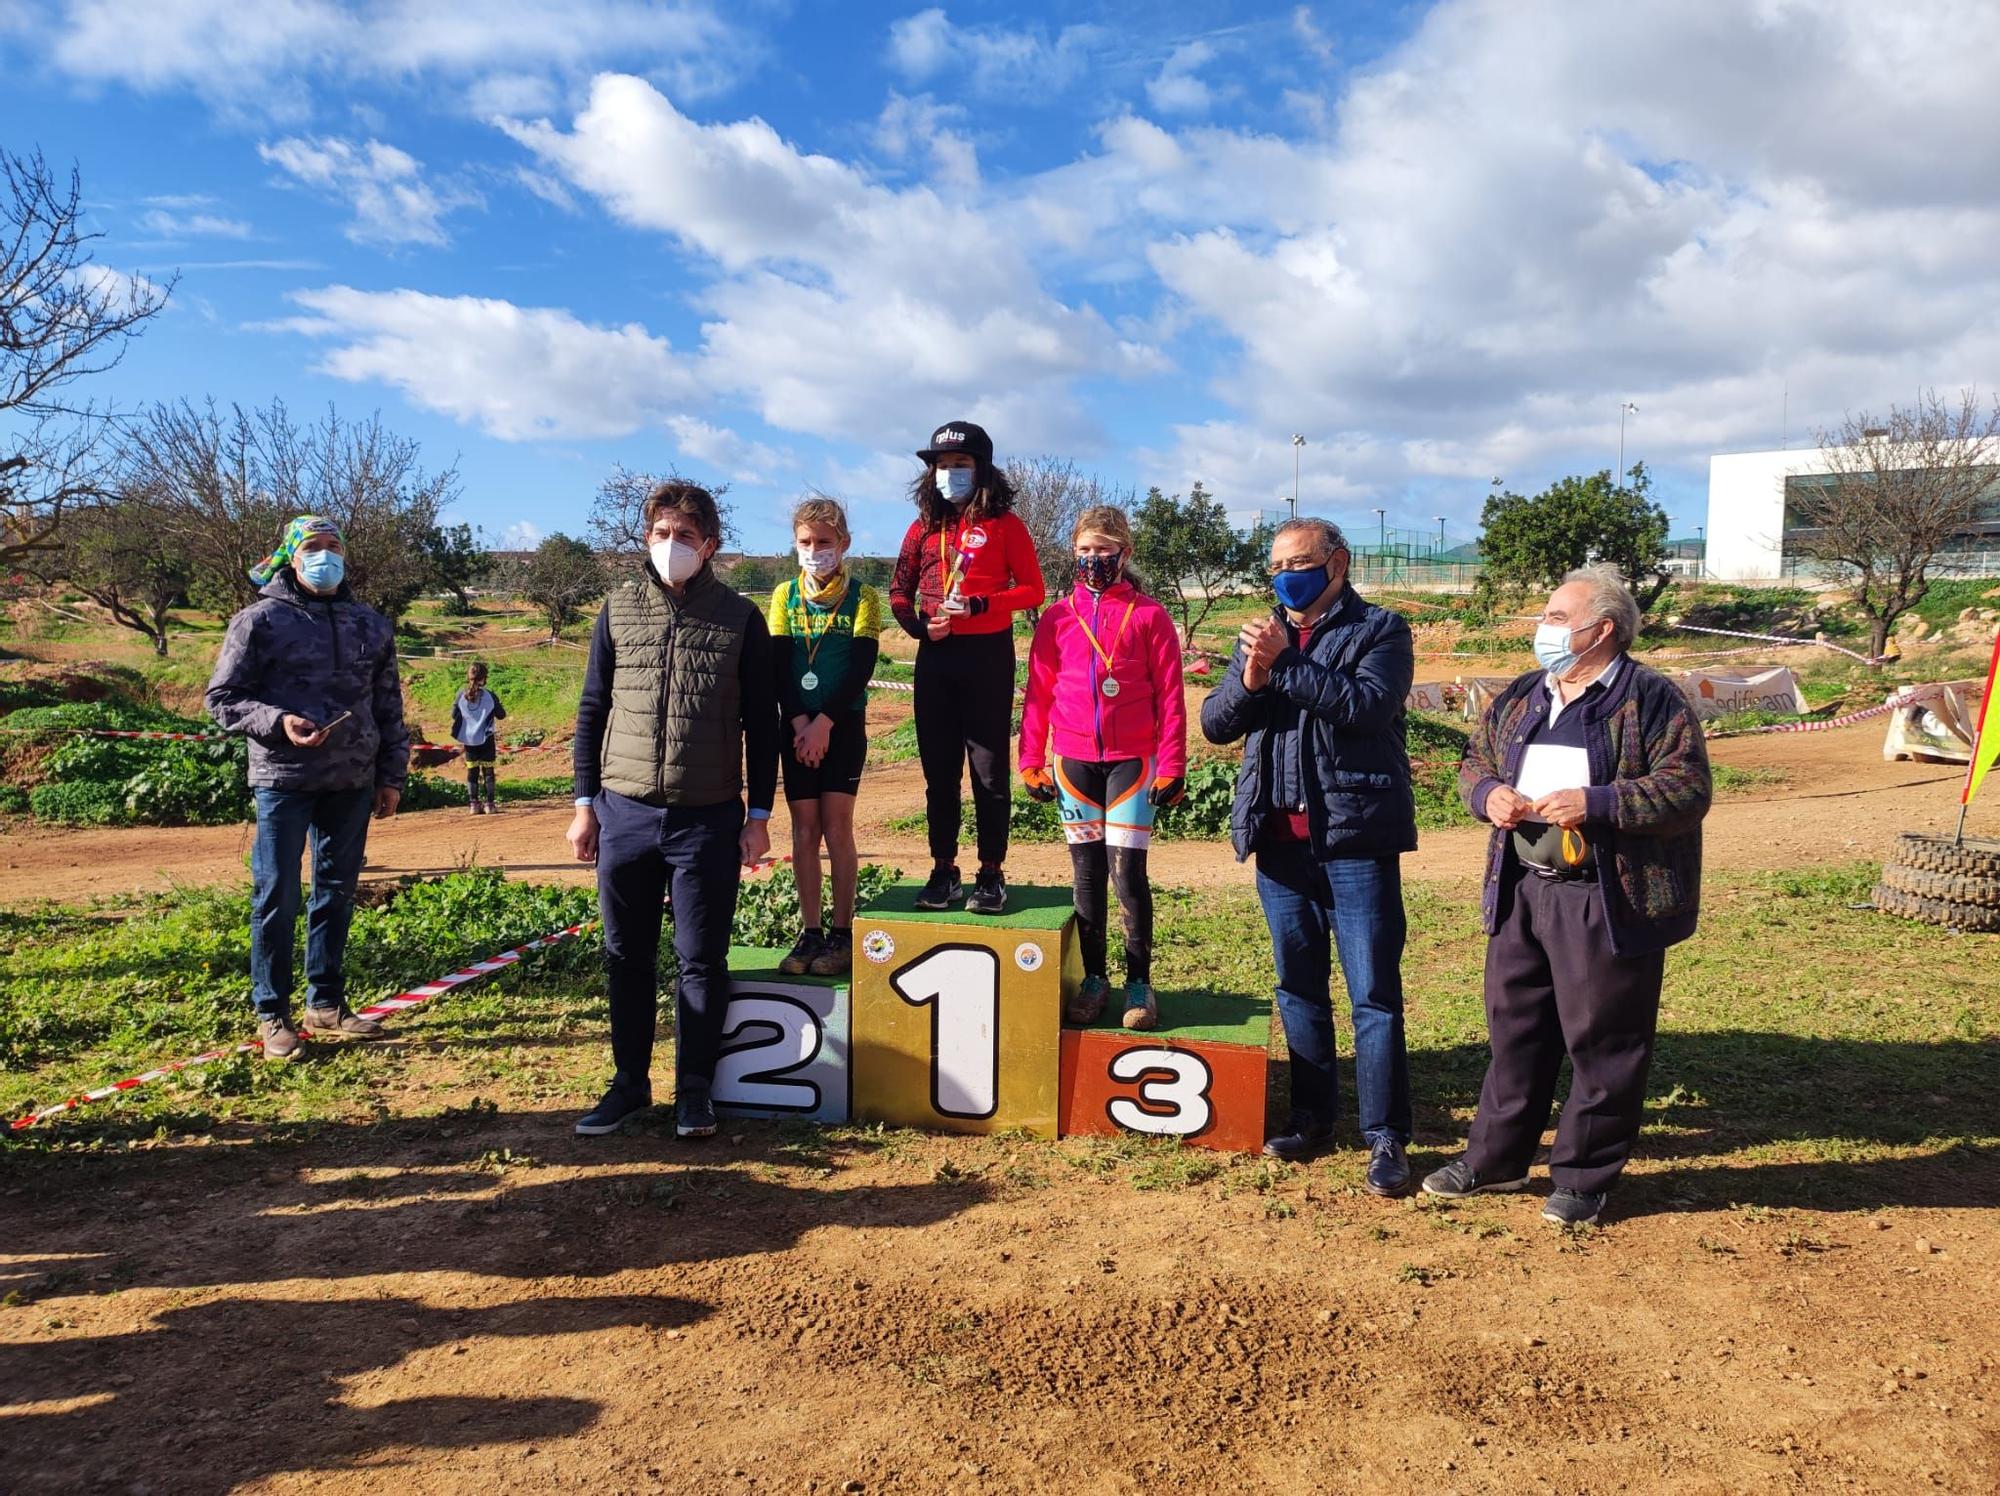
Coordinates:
[1592,772]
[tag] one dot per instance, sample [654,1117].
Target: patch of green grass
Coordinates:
[1733,779]
[896,746]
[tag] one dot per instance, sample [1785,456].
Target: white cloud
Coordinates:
[920,126]
[385,187]
[522,535]
[168,225]
[1176,89]
[736,457]
[230,51]
[991,60]
[517,373]
[845,307]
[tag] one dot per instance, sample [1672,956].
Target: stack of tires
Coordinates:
[1943,882]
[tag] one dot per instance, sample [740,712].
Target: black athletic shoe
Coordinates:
[942,891]
[1388,1168]
[694,1112]
[618,1107]
[1568,1207]
[803,953]
[1456,1180]
[989,892]
[1298,1145]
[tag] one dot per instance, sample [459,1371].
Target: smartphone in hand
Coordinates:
[330,726]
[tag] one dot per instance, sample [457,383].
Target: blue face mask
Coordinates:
[955,483]
[1299,590]
[1552,651]
[320,570]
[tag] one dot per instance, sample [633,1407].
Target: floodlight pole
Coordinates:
[1297,442]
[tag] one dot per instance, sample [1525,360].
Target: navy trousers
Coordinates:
[647,854]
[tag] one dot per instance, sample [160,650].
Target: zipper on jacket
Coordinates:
[1096,691]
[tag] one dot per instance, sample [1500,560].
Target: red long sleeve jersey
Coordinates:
[996,559]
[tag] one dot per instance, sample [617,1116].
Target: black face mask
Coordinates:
[1098,572]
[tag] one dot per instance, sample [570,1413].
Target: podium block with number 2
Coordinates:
[957,1016]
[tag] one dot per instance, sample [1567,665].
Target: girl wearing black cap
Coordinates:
[967,566]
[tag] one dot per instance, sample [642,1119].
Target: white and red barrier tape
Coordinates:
[401,1002]
[1909,697]
[1689,628]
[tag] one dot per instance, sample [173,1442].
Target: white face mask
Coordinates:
[675,560]
[818,560]
[955,483]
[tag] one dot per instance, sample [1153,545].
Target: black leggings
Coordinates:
[475,774]
[965,711]
[1127,867]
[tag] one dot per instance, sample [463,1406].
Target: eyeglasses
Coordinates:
[1298,563]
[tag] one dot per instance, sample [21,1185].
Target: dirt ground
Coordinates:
[480,1302]
[1842,802]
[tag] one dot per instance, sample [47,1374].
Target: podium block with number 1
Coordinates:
[957,1017]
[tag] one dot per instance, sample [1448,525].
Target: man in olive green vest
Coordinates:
[678,726]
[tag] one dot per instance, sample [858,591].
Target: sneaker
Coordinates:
[1458,1179]
[492,808]
[694,1112]
[1567,1207]
[836,955]
[1299,1144]
[1388,1168]
[280,1039]
[1088,1003]
[1142,1009]
[618,1106]
[798,961]
[989,892]
[943,890]
[474,808]
[343,1021]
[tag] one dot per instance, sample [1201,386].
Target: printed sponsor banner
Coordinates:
[1714,694]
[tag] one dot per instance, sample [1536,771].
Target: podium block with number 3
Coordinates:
[957,1016]
[1202,1076]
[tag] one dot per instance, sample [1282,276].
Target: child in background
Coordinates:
[967,566]
[825,630]
[474,711]
[1104,674]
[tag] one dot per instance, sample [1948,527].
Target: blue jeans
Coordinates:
[647,854]
[1356,904]
[336,822]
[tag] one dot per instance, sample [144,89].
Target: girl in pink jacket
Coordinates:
[1104,676]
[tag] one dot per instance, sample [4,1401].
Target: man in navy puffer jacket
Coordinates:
[308,674]
[1323,803]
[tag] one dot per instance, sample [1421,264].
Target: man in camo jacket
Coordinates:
[308,674]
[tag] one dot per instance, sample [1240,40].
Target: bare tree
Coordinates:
[111,551]
[618,513]
[1898,492]
[1049,495]
[63,317]
[227,481]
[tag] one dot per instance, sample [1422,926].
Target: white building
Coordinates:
[1750,523]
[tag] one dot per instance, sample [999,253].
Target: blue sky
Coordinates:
[774,244]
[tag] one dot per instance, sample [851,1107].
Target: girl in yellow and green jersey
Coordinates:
[825,633]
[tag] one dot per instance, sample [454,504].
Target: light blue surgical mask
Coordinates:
[320,570]
[955,483]
[1552,651]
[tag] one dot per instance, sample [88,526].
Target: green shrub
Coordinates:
[13,799]
[126,781]
[78,803]
[767,909]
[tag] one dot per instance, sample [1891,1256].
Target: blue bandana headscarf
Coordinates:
[296,535]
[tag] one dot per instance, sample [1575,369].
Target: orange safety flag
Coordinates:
[1986,745]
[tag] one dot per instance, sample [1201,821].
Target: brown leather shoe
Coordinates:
[343,1021]
[280,1040]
